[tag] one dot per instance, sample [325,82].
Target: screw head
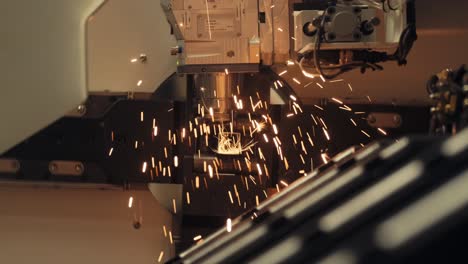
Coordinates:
[81,109]
[53,167]
[79,168]
[143,58]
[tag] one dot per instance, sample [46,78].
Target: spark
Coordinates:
[257,202]
[210,171]
[265,137]
[318,107]
[259,169]
[289,115]
[143,169]
[336,100]
[284,183]
[280,29]
[303,147]
[164,231]
[230,197]
[296,81]
[139,83]
[310,139]
[382,131]
[130,202]
[319,85]
[211,111]
[326,134]
[110,151]
[293,98]
[197,238]
[226,71]
[197,182]
[368,98]
[346,108]
[170,237]
[350,87]
[364,132]
[335,81]
[136,144]
[275,129]
[323,79]
[155,131]
[133,60]
[188,197]
[176,161]
[359,113]
[354,123]
[174,205]
[229,225]
[282,73]
[290,62]
[308,75]
[272,6]
[142,116]
[324,158]
[161,256]
[323,123]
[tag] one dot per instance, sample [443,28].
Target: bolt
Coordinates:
[81,109]
[143,58]
[79,168]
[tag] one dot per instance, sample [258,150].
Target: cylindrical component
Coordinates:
[214,91]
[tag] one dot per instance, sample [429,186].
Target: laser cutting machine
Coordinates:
[135,129]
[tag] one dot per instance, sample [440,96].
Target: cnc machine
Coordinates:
[232,131]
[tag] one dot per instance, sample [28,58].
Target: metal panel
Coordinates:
[42,63]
